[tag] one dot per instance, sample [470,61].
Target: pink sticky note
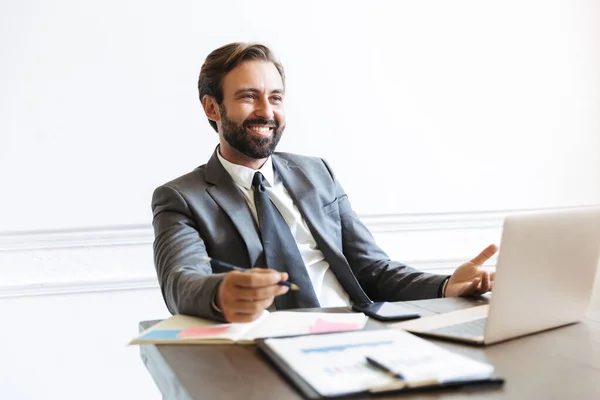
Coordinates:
[322,326]
[203,331]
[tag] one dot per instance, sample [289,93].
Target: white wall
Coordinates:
[438,117]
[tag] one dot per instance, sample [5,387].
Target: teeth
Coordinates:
[260,129]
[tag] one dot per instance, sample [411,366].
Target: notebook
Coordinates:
[185,329]
[341,364]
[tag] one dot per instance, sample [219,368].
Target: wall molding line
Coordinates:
[123,235]
[78,287]
[142,234]
[64,287]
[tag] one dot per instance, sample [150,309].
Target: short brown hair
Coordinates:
[222,60]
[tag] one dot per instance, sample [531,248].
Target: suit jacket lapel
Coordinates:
[304,195]
[232,201]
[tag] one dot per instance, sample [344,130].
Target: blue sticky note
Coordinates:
[161,334]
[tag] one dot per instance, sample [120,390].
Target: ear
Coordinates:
[211,108]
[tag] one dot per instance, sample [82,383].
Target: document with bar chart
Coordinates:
[336,364]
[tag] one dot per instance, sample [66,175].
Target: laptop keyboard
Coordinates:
[470,329]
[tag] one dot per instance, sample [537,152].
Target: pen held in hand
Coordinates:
[223,265]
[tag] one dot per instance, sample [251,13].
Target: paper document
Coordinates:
[184,329]
[335,364]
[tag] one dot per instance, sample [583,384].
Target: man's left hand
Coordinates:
[470,279]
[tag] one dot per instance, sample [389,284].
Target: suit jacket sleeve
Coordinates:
[381,278]
[187,283]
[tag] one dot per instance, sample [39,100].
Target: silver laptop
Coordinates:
[545,277]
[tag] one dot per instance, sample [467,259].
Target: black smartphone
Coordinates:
[385,311]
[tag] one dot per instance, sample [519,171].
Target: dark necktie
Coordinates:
[281,251]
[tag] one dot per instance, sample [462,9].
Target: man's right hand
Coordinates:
[242,296]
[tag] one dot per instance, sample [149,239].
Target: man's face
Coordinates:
[252,116]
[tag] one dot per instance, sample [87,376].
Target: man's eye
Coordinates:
[277,99]
[248,96]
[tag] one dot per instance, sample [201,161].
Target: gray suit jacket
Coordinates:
[204,213]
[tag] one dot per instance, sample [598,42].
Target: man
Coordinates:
[280,215]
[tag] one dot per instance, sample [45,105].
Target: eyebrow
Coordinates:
[254,90]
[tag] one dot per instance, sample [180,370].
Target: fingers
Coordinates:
[283,276]
[249,307]
[462,288]
[485,284]
[469,287]
[257,277]
[485,255]
[256,294]
[479,285]
[242,296]
[236,310]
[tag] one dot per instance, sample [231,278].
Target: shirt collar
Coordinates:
[243,175]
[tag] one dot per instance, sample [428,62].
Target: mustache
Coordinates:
[271,123]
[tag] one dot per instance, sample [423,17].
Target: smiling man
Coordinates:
[280,215]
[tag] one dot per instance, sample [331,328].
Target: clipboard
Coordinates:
[291,375]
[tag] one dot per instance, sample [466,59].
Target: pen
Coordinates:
[402,382]
[223,265]
[383,368]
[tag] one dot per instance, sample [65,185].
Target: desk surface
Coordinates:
[557,364]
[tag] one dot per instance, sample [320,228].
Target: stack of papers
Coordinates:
[185,329]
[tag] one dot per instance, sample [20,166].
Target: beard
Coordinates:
[251,146]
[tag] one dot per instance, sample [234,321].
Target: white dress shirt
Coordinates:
[328,289]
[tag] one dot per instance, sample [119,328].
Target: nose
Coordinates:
[264,109]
